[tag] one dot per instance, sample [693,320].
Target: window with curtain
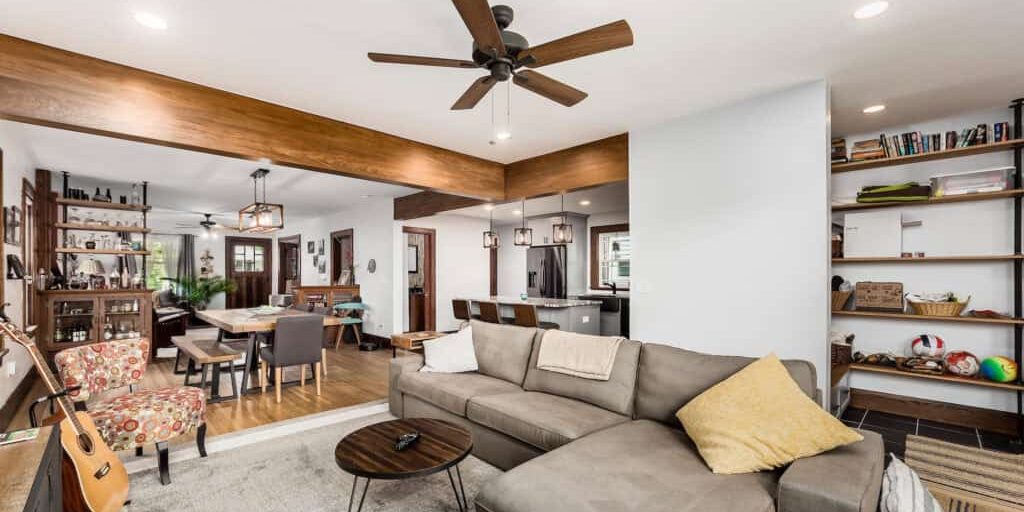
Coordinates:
[163,260]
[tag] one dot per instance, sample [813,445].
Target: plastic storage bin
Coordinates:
[972,182]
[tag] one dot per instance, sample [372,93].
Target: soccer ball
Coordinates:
[999,369]
[962,363]
[928,345]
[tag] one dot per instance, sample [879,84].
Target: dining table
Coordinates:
[254,322]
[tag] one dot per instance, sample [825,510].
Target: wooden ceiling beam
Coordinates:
[425,204]
[47,86]
[587,165]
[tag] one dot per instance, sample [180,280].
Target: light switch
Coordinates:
[11,368]
[585,319]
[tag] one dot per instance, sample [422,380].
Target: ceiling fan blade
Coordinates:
[421,61]
[549,88]
[480,21]
[475,93]
[596,40]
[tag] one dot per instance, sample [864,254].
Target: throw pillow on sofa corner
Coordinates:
[453,353]
[758,419]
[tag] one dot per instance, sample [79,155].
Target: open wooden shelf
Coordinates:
[980,196]
[991,147]
[934,259]
[909,316]
[100,227]
[860,367]
[118,252]
[103,206]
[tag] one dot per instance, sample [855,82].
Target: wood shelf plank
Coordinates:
[909,316]
[991,147]
[980,196]
[118,252]
[934,259]
[109,291]
[103,206]
[100,227]
[1010,386]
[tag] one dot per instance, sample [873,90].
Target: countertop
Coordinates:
[540,302]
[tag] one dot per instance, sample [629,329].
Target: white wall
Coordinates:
[601,219]
[463,265]
[728,220]
[966,229]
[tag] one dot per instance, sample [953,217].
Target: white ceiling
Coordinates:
[921,58]
[188,181]
[611,198]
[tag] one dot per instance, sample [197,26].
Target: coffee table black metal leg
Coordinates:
[352,497]
[459,498]
[465,501]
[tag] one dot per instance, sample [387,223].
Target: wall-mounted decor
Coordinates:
[206,265]
[412,259]
[316,259]
[320,247]
[12,225]
[321,266]
[310,247]
[371,265]
[15,269]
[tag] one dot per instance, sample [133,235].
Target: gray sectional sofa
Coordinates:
[572,444]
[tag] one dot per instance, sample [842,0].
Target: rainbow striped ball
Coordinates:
[999,369]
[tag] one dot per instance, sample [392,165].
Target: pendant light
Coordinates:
[260,216]
[491,240]
[562,233]
[524,235]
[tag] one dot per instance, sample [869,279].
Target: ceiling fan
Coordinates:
[504,53]
[208,225]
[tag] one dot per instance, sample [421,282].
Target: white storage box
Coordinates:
[972,182]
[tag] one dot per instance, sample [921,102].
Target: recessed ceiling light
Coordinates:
[585,202]
[150,20]
[870,10]
[517,212]
[874,109]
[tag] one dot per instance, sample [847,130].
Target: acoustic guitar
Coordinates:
[93,474]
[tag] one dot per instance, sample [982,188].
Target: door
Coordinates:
[429,276]
[290,266]
[248,265]
[342,257]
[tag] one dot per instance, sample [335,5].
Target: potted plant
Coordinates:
[199,292]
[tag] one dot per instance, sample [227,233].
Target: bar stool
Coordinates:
[526,316]
[489,312]
[461,309]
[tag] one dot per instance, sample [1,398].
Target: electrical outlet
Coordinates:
[11,368]
[585,319]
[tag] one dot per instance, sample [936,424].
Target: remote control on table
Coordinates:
[406,440]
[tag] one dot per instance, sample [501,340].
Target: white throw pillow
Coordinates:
[902,490]
[453,353]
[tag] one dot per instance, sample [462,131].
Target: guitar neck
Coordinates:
[52,383]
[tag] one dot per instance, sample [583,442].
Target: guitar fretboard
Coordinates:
[51,381]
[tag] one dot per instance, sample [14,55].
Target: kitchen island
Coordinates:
[574,315]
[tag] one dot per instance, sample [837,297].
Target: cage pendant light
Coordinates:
[562,233]
[524,235]
[260,216]
[491,240]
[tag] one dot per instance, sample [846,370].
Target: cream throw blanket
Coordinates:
[579,355]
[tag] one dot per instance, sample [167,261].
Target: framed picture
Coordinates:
[321,266]
[412,259]
[316,259]
[12,225]
[320,247]
[310,247]
[346,277]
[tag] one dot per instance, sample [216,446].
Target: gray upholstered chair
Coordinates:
[298,341]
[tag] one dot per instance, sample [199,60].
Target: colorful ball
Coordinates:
[999,369]
[928,345]
[962,363]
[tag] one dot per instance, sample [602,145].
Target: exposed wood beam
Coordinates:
[52,87]
[587,165]
[425,204]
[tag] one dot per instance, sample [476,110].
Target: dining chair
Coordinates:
[298,341]
[351,314]
[140,417]
[330,333]
[526,316]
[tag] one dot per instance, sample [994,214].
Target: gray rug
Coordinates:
[294,473]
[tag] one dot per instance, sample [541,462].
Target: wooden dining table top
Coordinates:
[245,320]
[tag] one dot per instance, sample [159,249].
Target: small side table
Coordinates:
[412,341]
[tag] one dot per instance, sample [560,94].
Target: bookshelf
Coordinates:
[1016,259]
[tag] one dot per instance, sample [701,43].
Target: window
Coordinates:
[610,252]
[163,261]
[248,258]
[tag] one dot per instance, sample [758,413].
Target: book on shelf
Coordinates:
[838,150]
[915,143]
[870,149]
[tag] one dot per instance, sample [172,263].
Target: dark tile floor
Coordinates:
[894,429]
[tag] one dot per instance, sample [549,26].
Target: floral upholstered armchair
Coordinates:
[140,417]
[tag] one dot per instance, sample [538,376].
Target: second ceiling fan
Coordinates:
[504,53]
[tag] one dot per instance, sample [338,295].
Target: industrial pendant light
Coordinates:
[524,235]
[491,240]
[260,216]
[562,233]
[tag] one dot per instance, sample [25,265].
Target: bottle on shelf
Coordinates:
[136,195]
[135,306]
[110,199]
[98,196]
[108,330]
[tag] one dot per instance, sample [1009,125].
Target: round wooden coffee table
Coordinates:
[369,453]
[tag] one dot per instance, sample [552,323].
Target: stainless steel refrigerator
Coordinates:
[545,271]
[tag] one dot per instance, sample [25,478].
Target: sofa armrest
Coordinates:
[399,365]
[847,479]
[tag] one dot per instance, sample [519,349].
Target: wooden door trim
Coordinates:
[229,262]
[429,274]
[494,271]
[350,232]
[28,193]
[286,240]
[595,269]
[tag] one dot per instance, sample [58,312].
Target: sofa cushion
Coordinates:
[614,394]
[669,377]
[502,351]
[451,391]
[542,420]
[639,465]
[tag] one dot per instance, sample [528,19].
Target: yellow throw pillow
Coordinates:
[759,419]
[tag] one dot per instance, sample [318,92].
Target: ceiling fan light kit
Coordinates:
[260,216]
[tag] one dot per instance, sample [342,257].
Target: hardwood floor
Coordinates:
[353,378]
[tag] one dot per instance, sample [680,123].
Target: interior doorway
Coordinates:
[342,257]
[289,272]
[420,299]
[248,265]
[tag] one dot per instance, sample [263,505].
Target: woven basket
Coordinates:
[839,300]
[939,308]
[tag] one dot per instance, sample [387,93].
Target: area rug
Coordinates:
[973,471]
[295,472]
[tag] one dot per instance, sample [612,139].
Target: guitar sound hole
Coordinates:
[85,443]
